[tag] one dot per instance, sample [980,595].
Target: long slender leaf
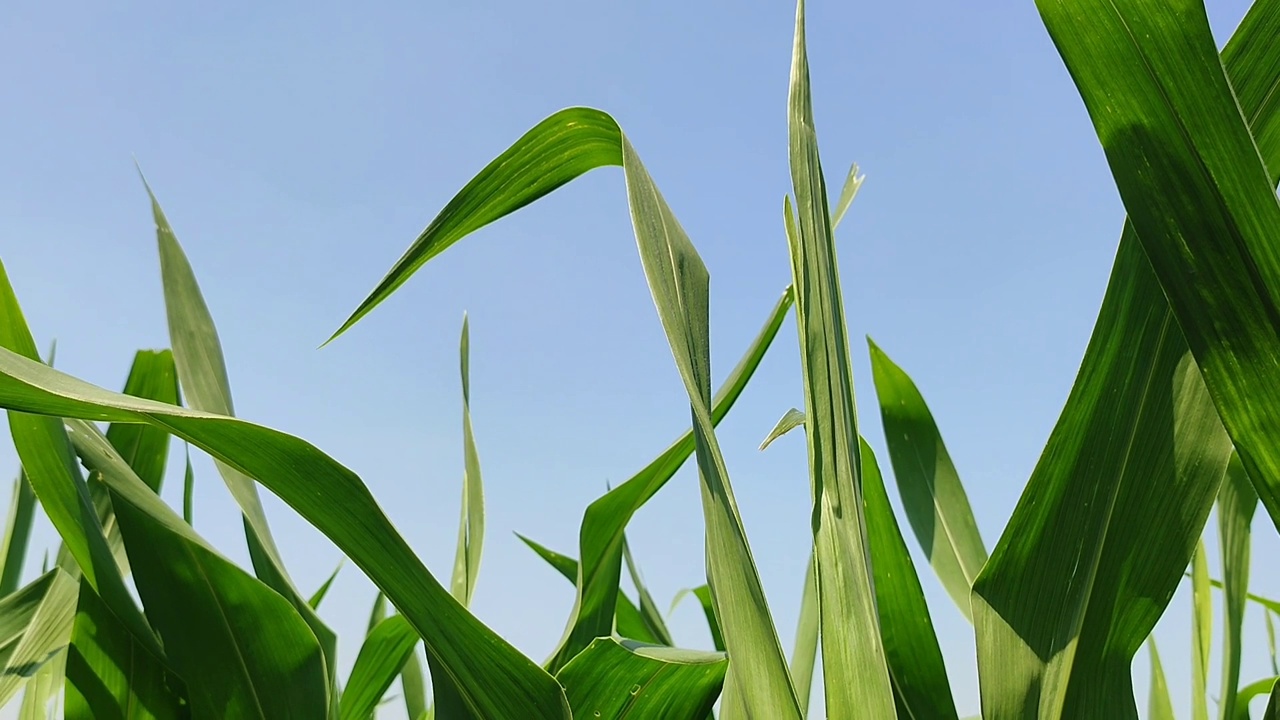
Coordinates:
[1197,190]
[932,495]
[854,669]
[805,654]
[202,372]
[678,281]
[17,534]
[624,679]
[1201,632]
[1025,622]
[630,623]
[471,526]
[920,685]
[605,520]
[318,596]
[1160,704]
[336,502]
[1237,501]
[648,608]
[384,652]
[50,465]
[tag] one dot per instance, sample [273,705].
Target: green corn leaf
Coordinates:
[630,623]
[41,700]
[1251,691]
[702,594]
[50,464]
[413,683]
[679,284]
[1271,642]
[113,677]
[17,534]
[154,376]
[920,684]
[35,626]
[1237,501]
[852,182]
[1201,632]
[601,533]
[243,650]
[932,494]
[805,654]
[1032,651]
[855,673]
[789,421]
[318,597]
[377,613]
[1197,189]
[188,488]
[623,679]
[202,372]
[1273,705]
[385,650]
[1160,704]
[336,502]
[471,527]
[560,148]
[648,608]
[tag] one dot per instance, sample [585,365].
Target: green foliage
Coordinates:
[1174,408]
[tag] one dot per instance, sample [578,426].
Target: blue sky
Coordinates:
[298,148]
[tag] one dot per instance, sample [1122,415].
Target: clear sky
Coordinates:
[299,147]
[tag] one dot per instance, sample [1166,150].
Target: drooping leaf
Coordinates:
[678,281]
[932,495]
[1237,501]
[1251,691]
[336,502]
[623,679]
[856,677]
[112,676]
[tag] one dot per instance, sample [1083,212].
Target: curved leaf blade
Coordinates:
[384,652]
[662,681]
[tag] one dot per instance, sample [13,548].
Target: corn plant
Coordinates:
[1171,413]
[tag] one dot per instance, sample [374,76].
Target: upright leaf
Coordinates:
[805,654]
[1197,189]
[17,534]
[1201,632]
[471,527]
[202,372]
[936,504]
[1160,704]
[1237,501]
[854,668]
[385,650]
[648,608]
[1112,441]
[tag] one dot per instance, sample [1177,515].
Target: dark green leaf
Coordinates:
[623,679]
